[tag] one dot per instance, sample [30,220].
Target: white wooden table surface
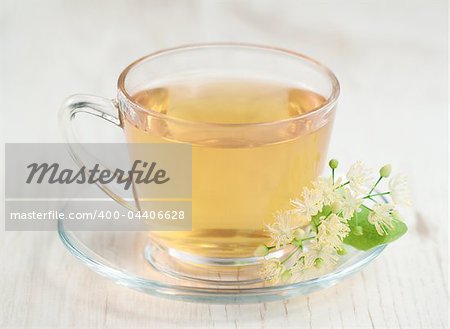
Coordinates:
[391,59]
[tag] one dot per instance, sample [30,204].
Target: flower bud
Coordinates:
[341,252]
[358,230]
[286,276]
[385,171]
[299,234]
[261,251]
[333,163]
[318,262]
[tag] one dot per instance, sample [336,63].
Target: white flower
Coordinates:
[310,204]
[302,270]
[283,230]
[320,256]
[381,218]
[332,231]
[360,177]
[316,248]
[299,233]
[327,188]
[348,203]
[312,262]
[398,186]
[272,269]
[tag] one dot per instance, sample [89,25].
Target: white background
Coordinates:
[391,60]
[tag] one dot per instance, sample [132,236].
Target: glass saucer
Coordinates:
[126,258]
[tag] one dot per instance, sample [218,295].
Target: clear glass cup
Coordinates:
[241,172]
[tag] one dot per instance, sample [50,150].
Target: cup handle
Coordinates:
[97,106]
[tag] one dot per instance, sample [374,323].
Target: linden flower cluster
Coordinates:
[318,222]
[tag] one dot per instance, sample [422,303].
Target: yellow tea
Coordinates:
[241,177]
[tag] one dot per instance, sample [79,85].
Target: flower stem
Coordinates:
[326,217]
[290,255]
[376,194]
[373,188]
[342,185]
[317,222]
[332,175]
[313,222]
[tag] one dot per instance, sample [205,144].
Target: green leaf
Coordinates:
[369,237]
